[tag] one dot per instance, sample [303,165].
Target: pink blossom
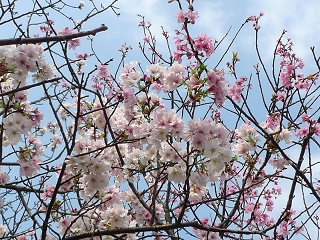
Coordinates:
[302,132]
[217,85]
[72,44]
[177,56]
[103,71]
[273,121]
[280,96]
[64,84]
[64,224]
[180,16]
[21,237]
[66,30]
[305,117]
[146,39]
[235,92]
[284,231]
[204,43]
[192,15]
[4,178]
[82,56]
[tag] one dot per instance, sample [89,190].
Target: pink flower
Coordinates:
[4,178]
[48,192]
[235,92]
[177,56]
[21,237]
[180,16]
[63,225]
[205,221]
[192,15]
[146,39]
[74,43]
[204,43]
[103,71]
[305,117]
[66,30]
[284,232]
[217,85]
[249,207]
[302,132]
[273,121]
[82,56]
[64,84]
[199,142]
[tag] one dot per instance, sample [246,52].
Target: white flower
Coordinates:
[81,4]
[13,136]
[176,174]
[116,216]
[285,135]
[81,63]
[3,230]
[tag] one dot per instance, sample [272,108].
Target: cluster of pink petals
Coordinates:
[255,19]
[289,64]
[46,28]
[30,157]
[204,43]
[217,85]
[167,79]
[73,43]
[235,90]
[201,44]
[19,61]
[4,177]
[189,16]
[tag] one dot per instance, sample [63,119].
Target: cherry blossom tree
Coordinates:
[171,146]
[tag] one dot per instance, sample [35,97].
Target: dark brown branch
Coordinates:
[61,38]
[157,228]
[26,189]
[29,86]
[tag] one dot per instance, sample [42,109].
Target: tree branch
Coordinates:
[66,37]
[157,228]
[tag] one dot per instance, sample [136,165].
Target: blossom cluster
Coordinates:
[189,16]
[289,64]
[4,178]
[200,45]
[166,79]
[110,214]
[17,61]
[20,117]
[313,127]
[73,43]
[247,138]
[235,90]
